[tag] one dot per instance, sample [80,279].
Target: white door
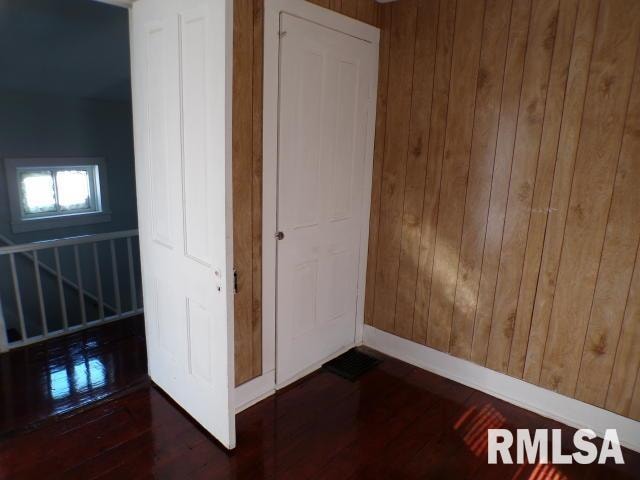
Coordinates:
[325,78]
[181,84]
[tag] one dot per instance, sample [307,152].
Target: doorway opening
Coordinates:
[71,330]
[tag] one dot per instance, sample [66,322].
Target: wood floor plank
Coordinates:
[605,110]
[510,101]
[561,190]
[395,421]
[533,100]
[440,101]
[543,183]
[455,169]
[402,43]
[617,264]
[423,71]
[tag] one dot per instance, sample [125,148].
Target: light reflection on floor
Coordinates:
[473,425]
[80,377]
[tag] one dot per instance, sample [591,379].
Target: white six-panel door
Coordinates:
[181,52]
[324,83]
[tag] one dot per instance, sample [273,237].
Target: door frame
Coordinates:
[341,23]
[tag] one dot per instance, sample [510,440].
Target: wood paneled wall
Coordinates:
[247,170]
[506,204]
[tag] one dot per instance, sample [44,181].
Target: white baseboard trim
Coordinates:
[255,390]
[549,404]
[259,388]
[312,368]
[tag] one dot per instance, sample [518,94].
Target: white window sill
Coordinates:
[60,222]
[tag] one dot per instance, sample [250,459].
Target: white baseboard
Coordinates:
[259,388]
[255,390]
[312,368]
[549,404]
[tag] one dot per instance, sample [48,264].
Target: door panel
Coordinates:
[181,87]
[321,167]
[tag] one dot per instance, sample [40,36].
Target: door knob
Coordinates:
[279,235]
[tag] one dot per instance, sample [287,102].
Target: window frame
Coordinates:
[21,222]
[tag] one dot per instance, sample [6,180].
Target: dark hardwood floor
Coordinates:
[395,422]
[51,378]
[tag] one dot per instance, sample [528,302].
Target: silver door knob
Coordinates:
[279,235]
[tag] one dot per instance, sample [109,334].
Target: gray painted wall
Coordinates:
[35,125]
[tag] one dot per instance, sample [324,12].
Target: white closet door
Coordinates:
[323,118]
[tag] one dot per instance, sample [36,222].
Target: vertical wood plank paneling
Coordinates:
[384,19]
[321,3]
[366,11]
[561,190]
[424,62]
[540,46]
[634,410]
[457,149]
[501,174]
[256,199]
[485,131]
[242,173]
[403,23]
[440,100]
[627,362]
[616,265]
[542,250]
[349,8]
[543,183]
[605,111]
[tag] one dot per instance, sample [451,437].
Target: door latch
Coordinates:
[235,281]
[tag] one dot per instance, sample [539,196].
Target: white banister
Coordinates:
[48,269]
[43,313]
[60,323]
[16,291]
[132,276]
[116,280]
[96,266]
[65,242]
[4,341]
[83,308]
[63,300]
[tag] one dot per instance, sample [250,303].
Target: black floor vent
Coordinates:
[351,364]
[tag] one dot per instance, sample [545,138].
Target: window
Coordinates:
[52,193]
[58,191]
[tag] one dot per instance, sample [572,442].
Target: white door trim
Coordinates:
[349,26]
